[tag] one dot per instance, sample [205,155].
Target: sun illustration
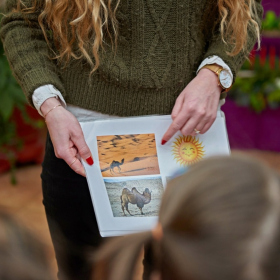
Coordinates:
[187,150]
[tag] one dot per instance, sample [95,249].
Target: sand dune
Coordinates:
[127,155]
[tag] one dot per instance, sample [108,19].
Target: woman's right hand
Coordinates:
[66,135]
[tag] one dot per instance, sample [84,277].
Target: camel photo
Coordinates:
[135,197]
[127,155]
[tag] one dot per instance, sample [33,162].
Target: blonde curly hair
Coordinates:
[78,26]
[236,18]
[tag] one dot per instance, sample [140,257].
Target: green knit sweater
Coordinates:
[161,44]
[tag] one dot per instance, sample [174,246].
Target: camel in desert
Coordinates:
[117,164]
[135,197]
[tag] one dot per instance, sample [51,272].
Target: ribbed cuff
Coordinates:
[37,78]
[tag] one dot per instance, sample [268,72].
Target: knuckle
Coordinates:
[176,125]
[207,118]
[56,154]
[76,130]
[75,133]
[202,112]
[59,153]
[191,108]
[84,150]
[173,116]
[184,131]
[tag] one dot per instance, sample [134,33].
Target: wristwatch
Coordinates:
[224,77]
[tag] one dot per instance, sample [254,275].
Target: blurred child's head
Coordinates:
[21,254]
[220,221]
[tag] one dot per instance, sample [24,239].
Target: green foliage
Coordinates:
[260,89]
[271,22]
[10,92]
[258,83]
[11,97]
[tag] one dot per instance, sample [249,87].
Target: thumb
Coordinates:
[83,148]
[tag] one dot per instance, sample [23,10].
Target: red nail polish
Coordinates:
[89,161]
[163,142]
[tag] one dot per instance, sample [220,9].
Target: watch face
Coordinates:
[225,79]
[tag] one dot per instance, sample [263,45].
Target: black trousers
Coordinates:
[71,218]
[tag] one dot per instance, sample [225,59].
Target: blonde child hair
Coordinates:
[218,221]
[21,255]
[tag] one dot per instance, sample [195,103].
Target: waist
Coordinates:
[84,115]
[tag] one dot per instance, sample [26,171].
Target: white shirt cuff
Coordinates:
[214,60]
[41,94]
[45,92]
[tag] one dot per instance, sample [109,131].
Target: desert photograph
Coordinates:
[127,155]
[135,197]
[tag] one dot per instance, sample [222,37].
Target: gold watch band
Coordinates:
[213,67]
[216,69]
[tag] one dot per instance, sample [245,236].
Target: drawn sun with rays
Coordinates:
[187,150]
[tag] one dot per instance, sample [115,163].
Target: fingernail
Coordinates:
[163,142]
[89,161]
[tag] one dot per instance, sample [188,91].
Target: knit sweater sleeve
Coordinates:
[219,48]
[27,50]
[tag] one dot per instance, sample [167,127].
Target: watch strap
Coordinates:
[217,69]
[213,67]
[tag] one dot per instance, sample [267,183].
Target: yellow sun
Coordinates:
[187,150]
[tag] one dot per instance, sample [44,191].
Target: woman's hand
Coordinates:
[67,136]
[196,107]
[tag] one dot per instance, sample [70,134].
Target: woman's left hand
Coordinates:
[196,107]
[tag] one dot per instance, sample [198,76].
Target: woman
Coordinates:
[118,58]
[224,227]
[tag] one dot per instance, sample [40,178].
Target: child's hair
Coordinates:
[21,255]
[219,221]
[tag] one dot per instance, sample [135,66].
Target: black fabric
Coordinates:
[148,262]
[70,216]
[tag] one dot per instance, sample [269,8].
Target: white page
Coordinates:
[130,154]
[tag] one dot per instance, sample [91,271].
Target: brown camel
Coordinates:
[134,197]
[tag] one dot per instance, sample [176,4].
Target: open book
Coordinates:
[131,167]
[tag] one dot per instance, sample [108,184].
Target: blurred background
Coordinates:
[252,112]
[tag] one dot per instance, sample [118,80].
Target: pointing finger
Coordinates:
[176,125]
